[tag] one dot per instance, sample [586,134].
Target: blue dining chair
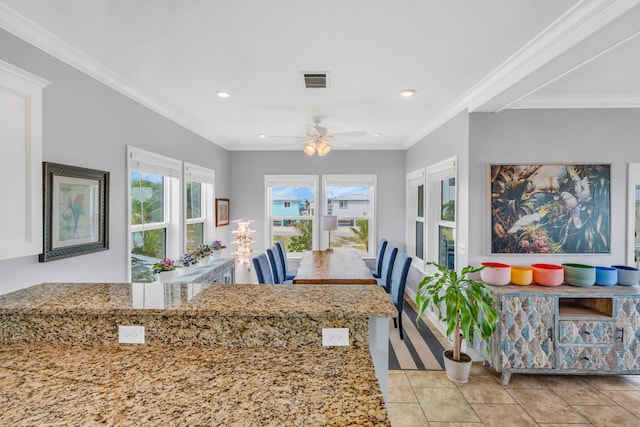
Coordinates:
[263,270]
[289,274]
[388,259]
[398,284]
[276,266]
[377,270]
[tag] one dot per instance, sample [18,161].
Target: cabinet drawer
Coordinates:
[587,358]
[585,332]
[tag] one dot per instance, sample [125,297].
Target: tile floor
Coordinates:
[428,398]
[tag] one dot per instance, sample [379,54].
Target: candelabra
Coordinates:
[243,241]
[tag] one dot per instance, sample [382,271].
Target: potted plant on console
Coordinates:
[465,305]
[188,262]
[217,246]
[164,269]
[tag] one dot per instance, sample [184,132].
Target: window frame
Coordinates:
[206,178]
[171,170]
[283,181]
[435,175]
[414,180]
[353,181]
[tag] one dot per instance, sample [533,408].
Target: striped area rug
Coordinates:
[419,349]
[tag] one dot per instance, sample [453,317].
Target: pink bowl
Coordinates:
[495,273]
[548,274]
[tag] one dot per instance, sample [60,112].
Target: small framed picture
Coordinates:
[76,211]
[222,212]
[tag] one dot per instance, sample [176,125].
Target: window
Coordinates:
[415,233]
[199,199]
[291,214]
[354,197]
[442,212]
[154,200]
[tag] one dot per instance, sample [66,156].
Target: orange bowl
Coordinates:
[521,275]
[548,274]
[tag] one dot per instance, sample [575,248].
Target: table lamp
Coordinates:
[329,223]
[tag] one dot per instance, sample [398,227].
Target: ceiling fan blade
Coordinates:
[286,137]
[312,131]
[349,134]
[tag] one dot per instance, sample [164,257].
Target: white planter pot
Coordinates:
[457,371]
[216,254]
[165,276]
[203,262]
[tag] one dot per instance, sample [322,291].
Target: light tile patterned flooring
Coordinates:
[429,398]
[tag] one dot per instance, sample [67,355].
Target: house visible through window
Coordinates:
[352,199]
[291,214]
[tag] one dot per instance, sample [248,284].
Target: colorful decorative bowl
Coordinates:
[495,273]
[521,275]
[606,276]
[579,274]
[548,274]
[627,276]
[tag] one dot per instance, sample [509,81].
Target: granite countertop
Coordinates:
[203,299]
[187,386]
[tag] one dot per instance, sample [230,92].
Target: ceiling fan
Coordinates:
[319,140]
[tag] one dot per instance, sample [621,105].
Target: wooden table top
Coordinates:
[334,267]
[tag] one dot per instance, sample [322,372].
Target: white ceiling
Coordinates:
[173,56]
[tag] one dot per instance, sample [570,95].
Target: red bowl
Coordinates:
[548,274]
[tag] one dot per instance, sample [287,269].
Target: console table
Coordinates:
[219,271]
[565,330]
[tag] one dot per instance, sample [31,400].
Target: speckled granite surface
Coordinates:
[190,314]
[81,385]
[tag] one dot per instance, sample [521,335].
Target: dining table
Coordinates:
[344,267]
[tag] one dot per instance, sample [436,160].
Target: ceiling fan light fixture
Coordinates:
[323,149]
[310,149]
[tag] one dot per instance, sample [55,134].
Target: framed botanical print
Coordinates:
[76,212]
[550,208]
[222,212]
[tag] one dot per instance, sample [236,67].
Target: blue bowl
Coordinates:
[627,276]
[606,276]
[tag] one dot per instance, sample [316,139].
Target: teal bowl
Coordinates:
[606,276]
[627,276]
[579,274]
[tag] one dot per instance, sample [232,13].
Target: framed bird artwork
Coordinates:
[76,211]
[550,208]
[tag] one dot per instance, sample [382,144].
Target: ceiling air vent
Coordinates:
[315,80]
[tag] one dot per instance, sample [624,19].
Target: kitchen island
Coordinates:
[213,355]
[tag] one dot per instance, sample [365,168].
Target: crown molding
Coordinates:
[577,102]
[577,24]
[37,36]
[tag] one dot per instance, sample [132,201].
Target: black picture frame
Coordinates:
[75,211]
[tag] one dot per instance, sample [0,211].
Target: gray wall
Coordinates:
[553,136]
[450,139]
[87,124]
[249,168]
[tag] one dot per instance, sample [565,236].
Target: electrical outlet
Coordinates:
[130,334]
[334,337]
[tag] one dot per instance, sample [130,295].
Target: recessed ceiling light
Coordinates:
[407,93]
[377,134]
[222,94]
[262,135]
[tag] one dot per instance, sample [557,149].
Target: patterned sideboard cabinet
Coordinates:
[565,330]
[219,271]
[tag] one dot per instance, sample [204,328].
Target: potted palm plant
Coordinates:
[465,305]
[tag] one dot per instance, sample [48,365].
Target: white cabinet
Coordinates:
[21,157]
